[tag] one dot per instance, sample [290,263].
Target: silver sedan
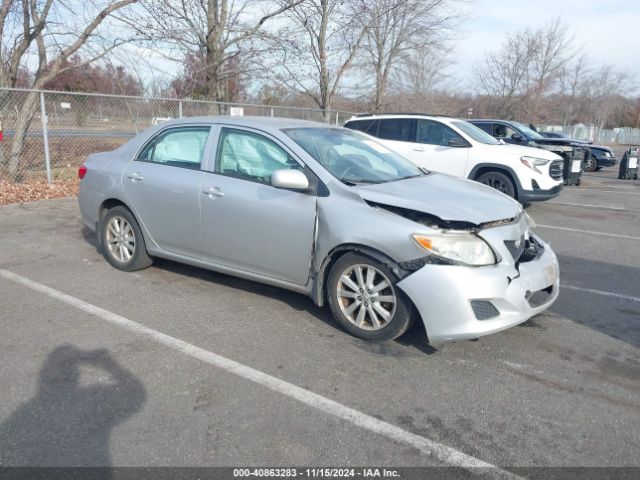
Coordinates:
[327,212]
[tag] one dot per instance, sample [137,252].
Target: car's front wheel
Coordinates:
[365,300]
[591,164]
[498,181]
[122,242]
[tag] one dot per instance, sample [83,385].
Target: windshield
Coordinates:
[527,131]
[476,133]
[353,157]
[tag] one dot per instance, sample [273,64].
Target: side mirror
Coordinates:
[289,179]
[457,143]
[517,137]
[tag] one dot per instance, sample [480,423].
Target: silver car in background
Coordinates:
[327,212]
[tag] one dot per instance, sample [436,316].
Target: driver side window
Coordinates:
[435,133]
[251,156]
[502,131]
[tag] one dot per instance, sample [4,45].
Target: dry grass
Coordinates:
[31,190]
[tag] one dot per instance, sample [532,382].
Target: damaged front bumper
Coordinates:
[462,303]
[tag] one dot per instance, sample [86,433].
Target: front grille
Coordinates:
[556,169]
[515,247]
[484,310]
[540,297]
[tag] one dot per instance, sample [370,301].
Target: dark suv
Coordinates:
[520,134]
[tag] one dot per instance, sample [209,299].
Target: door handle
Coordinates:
[135,177]
[418,149]
[213,192]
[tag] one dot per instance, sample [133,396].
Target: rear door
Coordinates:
[162,186]
[440,148]
[247,223]
[398,134]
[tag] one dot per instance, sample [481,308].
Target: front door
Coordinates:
[247,223]
[162,186]
[440,149]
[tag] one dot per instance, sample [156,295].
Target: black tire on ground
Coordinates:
[591,164]
[140,258]
[403,313]
[578,182]
[498,181]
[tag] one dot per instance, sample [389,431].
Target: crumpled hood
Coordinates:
[449,198]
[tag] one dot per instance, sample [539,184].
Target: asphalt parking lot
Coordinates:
[105,368]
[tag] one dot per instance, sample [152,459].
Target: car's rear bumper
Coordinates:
[443,295]
[539,195]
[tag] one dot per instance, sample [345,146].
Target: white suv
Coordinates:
[458,148]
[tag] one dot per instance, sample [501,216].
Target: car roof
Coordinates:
[367,116]
[491,120]
[250,121]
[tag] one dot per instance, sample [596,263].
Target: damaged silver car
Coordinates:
[327,212]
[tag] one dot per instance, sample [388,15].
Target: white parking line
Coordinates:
[590,232]
[586,205]
[608,191]
[436,450]
[601,292]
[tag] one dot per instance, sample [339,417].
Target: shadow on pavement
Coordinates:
[67,423]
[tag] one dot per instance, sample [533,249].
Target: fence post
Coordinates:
[337,119]
[272,111]
[45,137]
[180,109]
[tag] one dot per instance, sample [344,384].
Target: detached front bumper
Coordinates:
[451,299]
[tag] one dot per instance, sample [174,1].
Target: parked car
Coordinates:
[456,147]
[323,211]
[601,156]
[517,133]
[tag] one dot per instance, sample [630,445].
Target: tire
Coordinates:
[591,164]
[116,226]
[498,181]
[577,182]
[358,320]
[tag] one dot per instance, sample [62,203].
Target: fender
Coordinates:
[319,277]
[500,168]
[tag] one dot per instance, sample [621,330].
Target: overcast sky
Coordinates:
[608,30]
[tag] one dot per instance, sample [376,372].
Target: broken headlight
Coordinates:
[459,247]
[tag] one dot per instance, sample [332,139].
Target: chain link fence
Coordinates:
[616,136]
[46,135]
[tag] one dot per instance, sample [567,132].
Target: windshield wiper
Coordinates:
[361,181]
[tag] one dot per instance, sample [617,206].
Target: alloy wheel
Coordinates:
[366,297]
[120,239]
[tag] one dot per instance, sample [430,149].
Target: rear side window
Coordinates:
[179,147]
[399,129]
[366,126]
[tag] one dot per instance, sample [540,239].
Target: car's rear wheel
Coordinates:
[498,181]
[122,241]
[591,164]
[365,300]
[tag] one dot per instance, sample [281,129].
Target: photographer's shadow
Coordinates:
[68,424]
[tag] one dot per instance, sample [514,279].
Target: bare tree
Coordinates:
[605,91]
[319,46]
[524,70]
[421,71]
[398,29]
[218,31]
[31,27]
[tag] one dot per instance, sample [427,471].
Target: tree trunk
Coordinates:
[25,116]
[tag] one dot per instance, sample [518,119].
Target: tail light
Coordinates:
[82,171]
